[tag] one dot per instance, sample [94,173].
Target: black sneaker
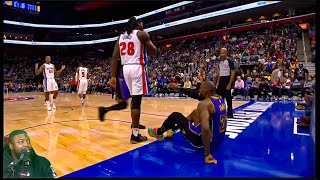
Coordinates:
[101,112]
[138,139]
[140,126]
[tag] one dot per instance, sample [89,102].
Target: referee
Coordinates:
[225,79]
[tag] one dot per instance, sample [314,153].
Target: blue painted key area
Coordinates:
[268,147]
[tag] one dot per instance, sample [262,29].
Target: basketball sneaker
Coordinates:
[137,139]
[153,133]
[101,112]
[48,106]
[170,133]
[140,126]
[82,102]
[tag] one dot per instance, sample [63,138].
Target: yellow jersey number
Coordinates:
[223,123]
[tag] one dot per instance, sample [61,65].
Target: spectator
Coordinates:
[264,89]
[153,88]
[286,87]
[308,85]
[301,73]
[248,87]
[255,88]
[238,87]
[277,73]
[276,88]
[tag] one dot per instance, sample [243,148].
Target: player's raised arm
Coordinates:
[38,71]
[114,59]
[77,74]
[145,39]
[88,74]
[60,70]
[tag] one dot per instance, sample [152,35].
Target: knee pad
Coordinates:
[136,102]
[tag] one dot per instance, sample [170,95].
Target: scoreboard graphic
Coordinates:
[22,5]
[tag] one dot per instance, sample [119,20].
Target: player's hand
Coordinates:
[36,66]
[63,67]
[228,87]
[113,82]
[210,160]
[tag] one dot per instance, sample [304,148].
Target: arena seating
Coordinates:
[178,61]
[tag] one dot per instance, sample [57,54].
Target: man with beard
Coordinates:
[205,126]
[20,159]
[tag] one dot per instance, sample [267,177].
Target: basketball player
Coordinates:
[50,85]
[122,96]
[82,75]
[132,47]
[210,114]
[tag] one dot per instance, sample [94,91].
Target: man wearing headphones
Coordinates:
[21,161]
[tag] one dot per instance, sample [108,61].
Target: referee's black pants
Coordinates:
[224,93]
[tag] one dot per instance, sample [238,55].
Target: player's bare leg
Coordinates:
[83,99]
[53,103]
[46,95]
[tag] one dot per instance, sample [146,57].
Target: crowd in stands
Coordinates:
[266,65]
[312,37]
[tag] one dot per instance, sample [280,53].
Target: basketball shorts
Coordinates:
[82,86]
[50,85]
[136,78]
[193,135]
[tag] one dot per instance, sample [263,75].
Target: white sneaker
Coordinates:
[49,108]
[54,105]
[82,102]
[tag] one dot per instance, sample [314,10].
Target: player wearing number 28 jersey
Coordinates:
[132,47]
[82,75]
[205,126]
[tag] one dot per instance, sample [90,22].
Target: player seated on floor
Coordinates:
[304,121]
[206,124]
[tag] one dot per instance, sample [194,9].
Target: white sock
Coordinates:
[48,103]
[135,131]
[51,98]
[53,101]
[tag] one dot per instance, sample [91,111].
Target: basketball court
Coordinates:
[262,140]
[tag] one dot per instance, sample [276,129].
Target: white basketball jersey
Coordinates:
[83,72]
[132,51]
[48,71]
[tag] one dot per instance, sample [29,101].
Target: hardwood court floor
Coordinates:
[72,137]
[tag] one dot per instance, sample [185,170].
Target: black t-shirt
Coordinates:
[300,74]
